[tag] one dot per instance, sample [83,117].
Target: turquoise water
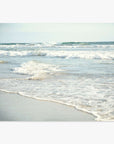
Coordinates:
[80,74]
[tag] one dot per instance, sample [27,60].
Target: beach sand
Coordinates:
[14,107]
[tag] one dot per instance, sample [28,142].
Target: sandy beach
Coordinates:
[14,107]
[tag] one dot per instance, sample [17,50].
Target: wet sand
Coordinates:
[14,107]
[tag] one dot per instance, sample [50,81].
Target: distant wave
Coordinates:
[65,43]
[88,43]
[13,43]
[60,44]
[63,54]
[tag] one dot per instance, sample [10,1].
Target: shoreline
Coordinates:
[14,107]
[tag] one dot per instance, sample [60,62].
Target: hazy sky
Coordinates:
[55,32]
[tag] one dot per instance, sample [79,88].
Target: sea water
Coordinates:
[80,74]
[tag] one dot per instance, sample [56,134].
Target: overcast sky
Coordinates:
[55,32]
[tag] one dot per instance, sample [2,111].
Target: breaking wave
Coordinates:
[63,54]
[37,70]
[15,53]
[78,54]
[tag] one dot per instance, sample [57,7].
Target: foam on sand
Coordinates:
[86,94]
[19,108]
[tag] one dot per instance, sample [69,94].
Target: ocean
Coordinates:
[79,74]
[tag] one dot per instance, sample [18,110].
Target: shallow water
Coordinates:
[77,74]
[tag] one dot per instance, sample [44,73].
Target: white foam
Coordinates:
[63,54]
[37,70]
[15,53]
[7,46]
[78,54]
